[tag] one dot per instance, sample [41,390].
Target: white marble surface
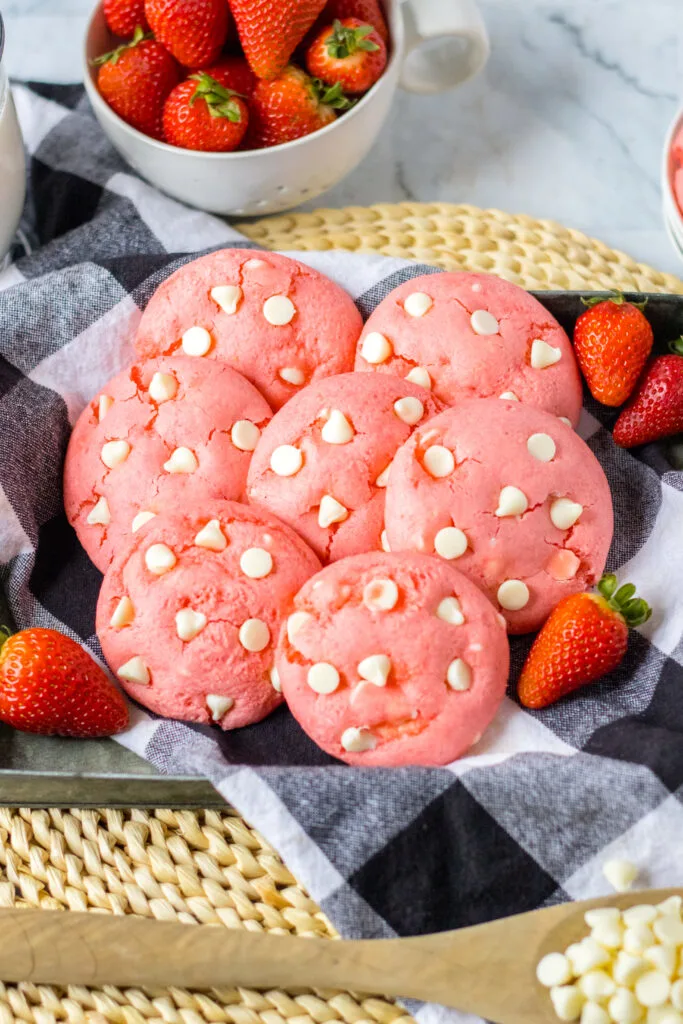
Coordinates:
[567,121]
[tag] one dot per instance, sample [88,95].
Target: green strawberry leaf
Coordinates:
[676,346]
[219,99]
[344,41]
[616,297]
[113,55]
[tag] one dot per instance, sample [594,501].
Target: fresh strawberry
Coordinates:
[584,638]
[124,16]
[201,113]
[49,684]
[234,73]
[612,340]
[656,409]
[270,30]
[135,80]
[347,52]
[367,11]
[193,30]
[290,106]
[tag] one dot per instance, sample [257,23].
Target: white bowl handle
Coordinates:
[446,43]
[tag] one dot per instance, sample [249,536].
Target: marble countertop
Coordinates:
[566,122]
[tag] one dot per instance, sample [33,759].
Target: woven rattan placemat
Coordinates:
[210,866]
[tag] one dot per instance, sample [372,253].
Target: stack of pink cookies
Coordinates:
[427,460]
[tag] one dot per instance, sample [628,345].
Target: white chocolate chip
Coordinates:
[375,669]
[331,511]
[211,537]
[134,671]
[279,310]
[217,705]
[638,938]
[256,563]
[274,676]
[642,913]
[450,542]
[586,956]
[459,675]
[182,460]
[254,635]
[564,513]
[254,264]
[376,348]
[189,624]
[567,1001]
[677,995]
[484,322]
[384,541]
[672,905]
[383,479]
[99,514]
[450,611]
[593,1013]
[104,405]
[513,595]
[140,519]
[196,341]
[510,396]
[597,986]
[159,559]
[323,678]
[669,930]
[358,740]
[439,461]
[624,1008]
[602,916]
[227,296]
[543,355]
[652,989]
[124,613]
[380,595]
[565,419]
[609,934]
[337,429]
[511,502]
[114,453]
[295,622]
[542,447]
[410,410]
[286,460]
[621,874]
[417,304]
[244,435]
[627,968]
[162,387]
[662,958]
[418,375]
[293,375]
[554,969]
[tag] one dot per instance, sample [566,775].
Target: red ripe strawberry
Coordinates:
[288,107]
[367,11]
[193,30]
[584,638]
[612,340]
[50,685]
[124,16]
[234,73]
[135,80]
[202,114]
[347,52]
[270,30]
[656,409]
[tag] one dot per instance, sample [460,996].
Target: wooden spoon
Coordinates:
[488,970]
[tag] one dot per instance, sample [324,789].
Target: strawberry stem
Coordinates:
[676,346]
[5,634]
[218,98]
[113,55]
[331,95]
[634,610]
[617,298]
[344,40]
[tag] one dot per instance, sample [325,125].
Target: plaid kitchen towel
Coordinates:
[530,816]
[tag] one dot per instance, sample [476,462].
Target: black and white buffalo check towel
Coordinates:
[543,801]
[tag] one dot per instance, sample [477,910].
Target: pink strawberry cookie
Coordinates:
[190,610]
[162,434]
[473,336]
[323,462]
[512,494]
[278,322]
[393,659]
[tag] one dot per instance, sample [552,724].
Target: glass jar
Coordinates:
[12,164]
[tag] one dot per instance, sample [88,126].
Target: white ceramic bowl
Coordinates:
[447,43]
[673,219]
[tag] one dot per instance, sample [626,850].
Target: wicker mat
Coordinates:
[211,867]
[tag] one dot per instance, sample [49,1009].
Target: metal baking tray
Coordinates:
[38,771]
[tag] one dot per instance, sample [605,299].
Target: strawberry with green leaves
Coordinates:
[349,53]
[367,11]
[202,114]
[584,638]
[612,341]
[656,409]
[289,106]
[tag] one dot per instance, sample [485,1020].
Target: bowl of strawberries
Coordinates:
[249,107]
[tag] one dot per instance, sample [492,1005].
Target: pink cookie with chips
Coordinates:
[511,496]
[473,336]
[322,464]
[162,434]
[189,613]
[277,321]
[393,659]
